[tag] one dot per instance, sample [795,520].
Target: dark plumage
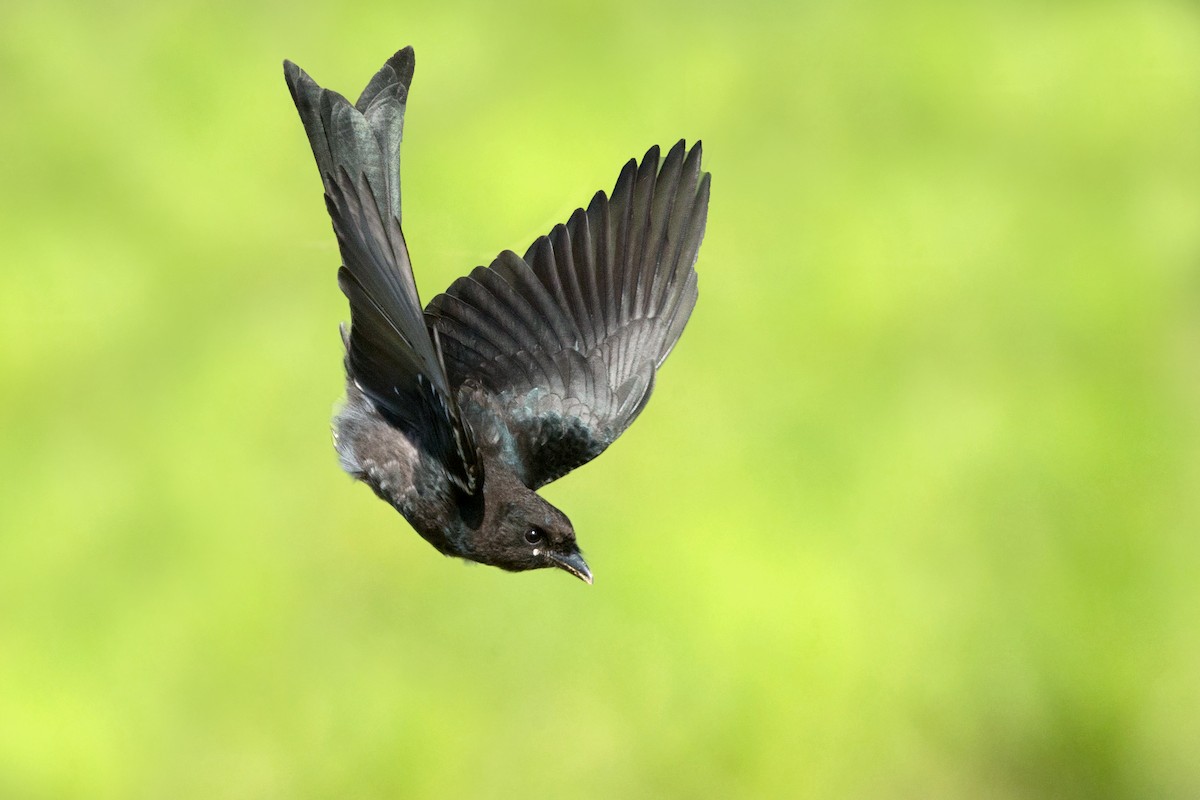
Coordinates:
[520,371]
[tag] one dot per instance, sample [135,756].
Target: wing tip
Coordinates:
[649,167]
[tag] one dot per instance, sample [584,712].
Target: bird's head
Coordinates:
[525,532]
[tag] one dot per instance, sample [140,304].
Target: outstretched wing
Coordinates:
[562,346]
[389,353]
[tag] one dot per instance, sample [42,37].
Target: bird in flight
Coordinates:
[520,371]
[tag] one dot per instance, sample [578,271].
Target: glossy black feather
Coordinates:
[522,370]
[389,355]
[566,341]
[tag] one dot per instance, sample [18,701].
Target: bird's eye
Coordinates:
[534,535]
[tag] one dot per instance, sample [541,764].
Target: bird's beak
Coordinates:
[574,564]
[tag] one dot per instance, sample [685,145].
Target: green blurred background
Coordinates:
[914,510]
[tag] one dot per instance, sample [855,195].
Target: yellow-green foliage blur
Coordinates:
[915,509]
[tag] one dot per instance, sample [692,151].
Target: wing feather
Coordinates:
[565,342]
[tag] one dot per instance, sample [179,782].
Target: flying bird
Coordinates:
[522,370]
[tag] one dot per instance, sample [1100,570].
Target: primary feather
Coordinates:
[561,347]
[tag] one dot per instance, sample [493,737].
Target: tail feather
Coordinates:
[383,103]
[363,138]
[389,355]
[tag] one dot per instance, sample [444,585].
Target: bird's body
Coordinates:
[519,372]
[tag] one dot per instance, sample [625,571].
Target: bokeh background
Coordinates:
[913,513]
